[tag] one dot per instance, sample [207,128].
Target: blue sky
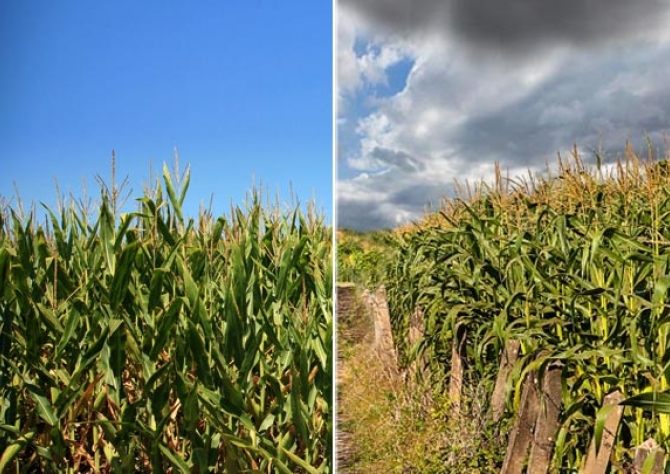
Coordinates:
[432,93]
[243,91]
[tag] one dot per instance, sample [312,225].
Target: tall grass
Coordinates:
[147,342]
[389,430]
[576,266]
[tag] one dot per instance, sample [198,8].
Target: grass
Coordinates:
[392,430]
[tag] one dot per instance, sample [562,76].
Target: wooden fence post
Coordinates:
[651,456]
[537,423]
[509,355]
[598,460]
[419,373]
[457,369]
[521,436]
[379,309]
[544,436]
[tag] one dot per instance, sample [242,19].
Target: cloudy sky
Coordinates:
[434,91]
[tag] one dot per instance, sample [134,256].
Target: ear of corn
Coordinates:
[143,342]
[574,266]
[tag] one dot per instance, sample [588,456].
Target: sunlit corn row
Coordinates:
[143,342]
[362,258]
[577,265]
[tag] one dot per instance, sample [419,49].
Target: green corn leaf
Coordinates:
[175,459]
[267,422]
[156,288]
[656,402]
[186,180]
[92,353]
[300,462]
[169,187]
[199,354]
[124,269]
[5,261]
[165,232]
[165,327]
[122,231]
[71,323]
[661,290]
[14,449]
[191,410]
[44,408]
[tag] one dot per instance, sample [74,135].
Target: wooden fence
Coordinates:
[531,441]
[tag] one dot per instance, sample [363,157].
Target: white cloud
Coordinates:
[460,112]
[348,75]
[368,67]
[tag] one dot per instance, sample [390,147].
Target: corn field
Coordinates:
[575,266]
[147,342]
[363,258]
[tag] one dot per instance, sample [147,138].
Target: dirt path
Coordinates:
[345,447]
[364,331]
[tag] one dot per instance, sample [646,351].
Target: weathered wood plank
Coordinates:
[457,370]
[522,433]
[597,461]
[509,355]
[378,306]
[649,454]
[544,436]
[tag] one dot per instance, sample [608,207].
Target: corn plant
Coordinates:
[574,265]
[362,258]
[149,342]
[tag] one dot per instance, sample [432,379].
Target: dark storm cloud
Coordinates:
[512,81]
[394,200]
[420,197]
[517,26]
[524,23]
[362,215]
[399,159]
[590,106]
